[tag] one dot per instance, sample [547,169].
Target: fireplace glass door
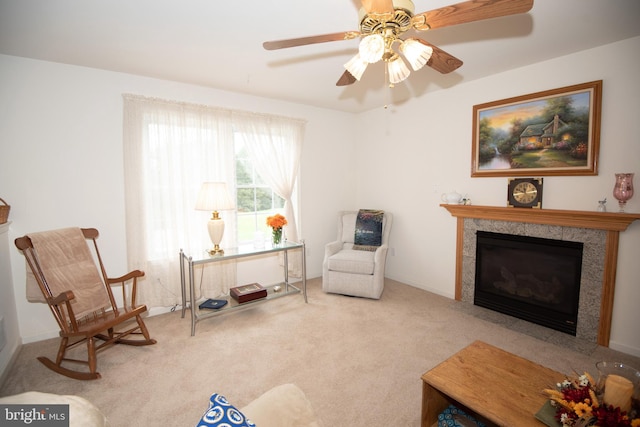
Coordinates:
[534,279]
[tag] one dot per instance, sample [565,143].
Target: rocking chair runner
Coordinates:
[81,301]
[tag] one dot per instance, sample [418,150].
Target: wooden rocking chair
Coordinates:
[64,268]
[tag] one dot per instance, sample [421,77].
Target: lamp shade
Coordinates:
[398,70]
[356,66]
[214,196]
[371,48]
[417,53]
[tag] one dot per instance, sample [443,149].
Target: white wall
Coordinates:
[61,164]
[423,148]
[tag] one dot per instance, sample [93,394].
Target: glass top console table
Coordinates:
[273,291]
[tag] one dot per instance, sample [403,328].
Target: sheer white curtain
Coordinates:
[275,145]
[170,148]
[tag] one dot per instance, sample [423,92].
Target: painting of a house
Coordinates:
[545,134]
[555,132]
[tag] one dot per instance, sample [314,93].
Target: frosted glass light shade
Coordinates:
[417,54]
[398,70]
[371,48]
[356,66]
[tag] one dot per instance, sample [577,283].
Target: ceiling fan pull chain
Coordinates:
[388,85]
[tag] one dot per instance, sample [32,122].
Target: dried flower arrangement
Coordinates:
[577,405]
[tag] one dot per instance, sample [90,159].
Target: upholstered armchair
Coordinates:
[355,272]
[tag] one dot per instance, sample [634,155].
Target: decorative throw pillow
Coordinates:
[368,233]
[223,414]
[454,417]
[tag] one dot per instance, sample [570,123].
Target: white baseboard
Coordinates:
[624,349]
[4,370]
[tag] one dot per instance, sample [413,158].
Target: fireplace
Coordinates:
[534,279]
[599,231]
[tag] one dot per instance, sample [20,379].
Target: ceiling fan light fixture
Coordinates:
[398,70]
[417,53]
[371,48]
[383,23]
[356,66]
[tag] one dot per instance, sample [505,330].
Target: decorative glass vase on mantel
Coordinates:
[623,189]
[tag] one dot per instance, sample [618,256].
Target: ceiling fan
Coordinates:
[383,22]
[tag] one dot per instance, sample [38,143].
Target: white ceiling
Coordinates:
[219,44]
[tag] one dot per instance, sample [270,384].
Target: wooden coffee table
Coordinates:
[495,386]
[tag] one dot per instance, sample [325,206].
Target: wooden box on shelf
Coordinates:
[246,293]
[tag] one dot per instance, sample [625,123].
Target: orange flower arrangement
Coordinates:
[276,221]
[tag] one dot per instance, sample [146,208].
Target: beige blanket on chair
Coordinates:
[67,265]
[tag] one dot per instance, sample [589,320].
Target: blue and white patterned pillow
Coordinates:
[223,414]
[454,417]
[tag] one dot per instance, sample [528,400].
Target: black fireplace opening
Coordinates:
[533,279]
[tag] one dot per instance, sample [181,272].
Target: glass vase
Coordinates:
[619,385]
[623,189]
[276,236]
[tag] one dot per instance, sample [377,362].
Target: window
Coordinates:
[170,148]
[255,200]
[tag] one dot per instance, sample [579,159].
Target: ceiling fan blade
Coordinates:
[378,6]
[469,11]
[301,41]
[440,60]
[346,79]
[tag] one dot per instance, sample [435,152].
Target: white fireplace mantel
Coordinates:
[612,223]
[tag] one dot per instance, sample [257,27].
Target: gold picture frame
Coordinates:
[550,133]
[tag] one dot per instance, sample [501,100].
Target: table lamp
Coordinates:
[214,197]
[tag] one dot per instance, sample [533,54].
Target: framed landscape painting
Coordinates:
[556,132]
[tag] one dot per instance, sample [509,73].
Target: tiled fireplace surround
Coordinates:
[598,231]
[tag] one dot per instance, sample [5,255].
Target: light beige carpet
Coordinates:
[359,361]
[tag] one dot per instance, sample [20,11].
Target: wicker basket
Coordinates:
[4,211]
